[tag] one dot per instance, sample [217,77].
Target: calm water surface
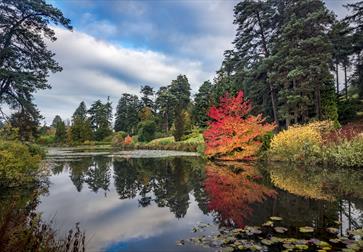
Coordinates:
[147,200]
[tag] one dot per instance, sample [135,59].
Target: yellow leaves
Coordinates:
[298,142]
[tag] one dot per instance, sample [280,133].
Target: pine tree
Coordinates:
[126,117]
[165,105]
[202,103]
[301,62]
[100,116]
[180,88]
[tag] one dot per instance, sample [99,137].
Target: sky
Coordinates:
[118,45]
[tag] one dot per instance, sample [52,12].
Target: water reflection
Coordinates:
[149,203]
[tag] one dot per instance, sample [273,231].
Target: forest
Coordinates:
[289,93]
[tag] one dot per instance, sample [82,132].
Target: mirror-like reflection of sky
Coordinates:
[114,224]
[127,203]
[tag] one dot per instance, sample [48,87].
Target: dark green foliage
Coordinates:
[347,110]
[25,61]
[146,131]
[60,132]
[164,103]
[180,88]
[147,92]
[355,20]
[100,119]
[26,123]
[81,129]
[126,115]
[202,103]
[57,119]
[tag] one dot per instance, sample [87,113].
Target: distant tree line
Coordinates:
[287,57]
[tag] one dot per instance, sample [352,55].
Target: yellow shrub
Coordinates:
[297,143]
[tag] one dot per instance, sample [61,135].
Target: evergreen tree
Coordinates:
[165,102]
[180,88]
[25,61]
[60,132]
[27,124]
[202,103]
[126,117]
[81,126]
[147,92]
[301,62]
[356,27]
[100,119]
[57,119]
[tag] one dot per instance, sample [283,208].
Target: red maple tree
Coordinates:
[233,133]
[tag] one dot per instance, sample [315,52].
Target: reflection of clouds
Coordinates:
[107,219]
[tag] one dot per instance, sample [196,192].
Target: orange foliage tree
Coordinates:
[128,140]
[233,133]
[232,194]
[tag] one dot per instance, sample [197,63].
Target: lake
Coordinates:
[150,200]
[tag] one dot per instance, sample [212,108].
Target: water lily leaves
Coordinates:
[276,218]
[268,224]
[301,246]
[336,240]
[306,229]
[280,230]
[332,230]
[267,242]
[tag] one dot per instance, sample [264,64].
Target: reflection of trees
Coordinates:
[95,171]
[317,183]
[167,182]
[316,196]
[98,174]
[233,189]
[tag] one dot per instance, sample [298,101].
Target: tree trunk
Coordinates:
[337,76]
[345,81]
[267,54]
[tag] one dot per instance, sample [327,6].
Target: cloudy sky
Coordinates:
[116,46]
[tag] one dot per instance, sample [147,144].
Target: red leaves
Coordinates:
[231,195]
[233,133]
[128,140]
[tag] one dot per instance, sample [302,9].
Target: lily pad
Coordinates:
[275,218]
[268,224]
[306,229]
[280,230]
[332,230]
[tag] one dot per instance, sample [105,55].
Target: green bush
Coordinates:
[19,163]
[346,153]
[146,131]
[347,110]
[46,140]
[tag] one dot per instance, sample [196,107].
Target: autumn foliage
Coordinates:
[128,140]
[233,193]
[233,134]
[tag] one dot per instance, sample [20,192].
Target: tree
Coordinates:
[100,119]
[165,104]
[146,131]
[27,123]
[81,126]
[301,62]
[342,48]
[202,102]
[57,119]
[146,92]
[233,134]
[180,88]
[60,132]
[257,24]
[25,61]
[126,115]
[356,28]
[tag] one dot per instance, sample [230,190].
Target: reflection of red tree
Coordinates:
[231,194]
[232,135]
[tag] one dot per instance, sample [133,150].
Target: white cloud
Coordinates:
[94,69]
